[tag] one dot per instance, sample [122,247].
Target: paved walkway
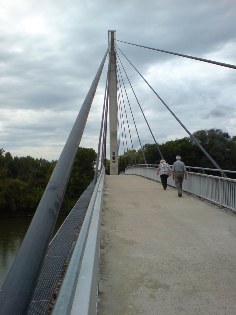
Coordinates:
[164,255]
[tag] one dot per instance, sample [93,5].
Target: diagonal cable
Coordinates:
[121,123]
[133,120]
[101,138]
[121,82]
[135,125]
[185,56]
[105,133]
[139,105]
[190,134]
[132,115]
[125,111]
[122,96]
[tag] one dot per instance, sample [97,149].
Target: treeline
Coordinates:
[24,179]
[219,144]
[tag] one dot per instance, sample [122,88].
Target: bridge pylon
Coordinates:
[113,108]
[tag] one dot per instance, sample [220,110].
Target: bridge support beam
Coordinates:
[112,91]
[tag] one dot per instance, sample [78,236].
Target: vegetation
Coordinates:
[81,176]
[24,179]
[220,146]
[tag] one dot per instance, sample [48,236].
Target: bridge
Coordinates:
[128,246]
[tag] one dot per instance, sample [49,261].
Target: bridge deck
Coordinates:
[161,254]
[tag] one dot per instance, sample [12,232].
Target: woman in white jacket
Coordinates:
[165,171]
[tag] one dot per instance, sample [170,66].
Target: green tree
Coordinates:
[24,179]
[14,198]
[22,183]
[107,167]
[81,176]
[127,159]
[218,144]
[152,154]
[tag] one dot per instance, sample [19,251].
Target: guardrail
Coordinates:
[78,294]
[216,189]
[195,169]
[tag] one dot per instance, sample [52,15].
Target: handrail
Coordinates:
[189,168]
[79,288]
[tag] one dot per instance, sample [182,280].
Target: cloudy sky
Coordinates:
[50,51]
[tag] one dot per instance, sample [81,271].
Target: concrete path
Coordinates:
[164,255]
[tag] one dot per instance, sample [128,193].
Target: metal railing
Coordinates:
[78,294]
[216,189]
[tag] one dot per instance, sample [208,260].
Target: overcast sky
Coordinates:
[50,51]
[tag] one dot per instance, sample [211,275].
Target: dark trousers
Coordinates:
[164,180]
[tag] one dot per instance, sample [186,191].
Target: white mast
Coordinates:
[113,108]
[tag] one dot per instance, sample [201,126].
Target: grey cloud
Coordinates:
[54,70]
[189,28]
[222,112]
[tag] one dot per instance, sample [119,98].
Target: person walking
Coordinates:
[165,171]
[179,173]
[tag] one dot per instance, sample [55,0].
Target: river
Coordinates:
[12,232]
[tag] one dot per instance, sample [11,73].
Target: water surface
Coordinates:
[12,232]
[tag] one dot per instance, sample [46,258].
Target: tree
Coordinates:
[151,153]
[218,144]
[24,179]
[107,166]
[182,147]
[81,176]
[14,198]
[127,159]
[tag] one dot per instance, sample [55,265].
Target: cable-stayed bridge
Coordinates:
[62,275]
